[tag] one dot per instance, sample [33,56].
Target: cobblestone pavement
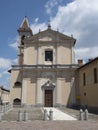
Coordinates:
[36,121]
[34,113]
[50,125]
[75,113]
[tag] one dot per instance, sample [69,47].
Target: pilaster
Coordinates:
[38,54]
[57,55]
[38,93]
[24,92]
[58,92]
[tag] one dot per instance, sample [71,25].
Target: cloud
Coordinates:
[0,75]
[36,20]
[36,26]
[5,63]
[3,74]
[86,53]
[5,82]
[51,5]
[14,61]
[80,18]
[14,43]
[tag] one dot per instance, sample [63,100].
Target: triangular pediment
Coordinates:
[50,35]
[48,85]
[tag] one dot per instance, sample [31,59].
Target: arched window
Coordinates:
[17,83]
[22,38]
[17,101]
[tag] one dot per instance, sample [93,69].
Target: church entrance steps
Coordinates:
[58,114]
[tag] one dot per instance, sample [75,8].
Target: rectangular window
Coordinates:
[49,55]
[84,79]
[95,75]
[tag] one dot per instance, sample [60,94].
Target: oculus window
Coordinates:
[48,55]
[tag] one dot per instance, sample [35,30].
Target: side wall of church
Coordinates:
[88,86]
[15,90]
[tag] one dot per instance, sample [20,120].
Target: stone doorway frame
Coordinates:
[48,86]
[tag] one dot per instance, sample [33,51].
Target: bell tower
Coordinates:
[24,31]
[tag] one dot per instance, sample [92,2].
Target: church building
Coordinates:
[45,73]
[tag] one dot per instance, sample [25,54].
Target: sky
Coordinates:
[71,17]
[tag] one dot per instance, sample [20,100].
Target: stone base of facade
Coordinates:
[39,105]
[58,105]
[27,105]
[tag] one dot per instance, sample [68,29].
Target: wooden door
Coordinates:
[48,98]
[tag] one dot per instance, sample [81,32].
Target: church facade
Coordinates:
[45,74]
